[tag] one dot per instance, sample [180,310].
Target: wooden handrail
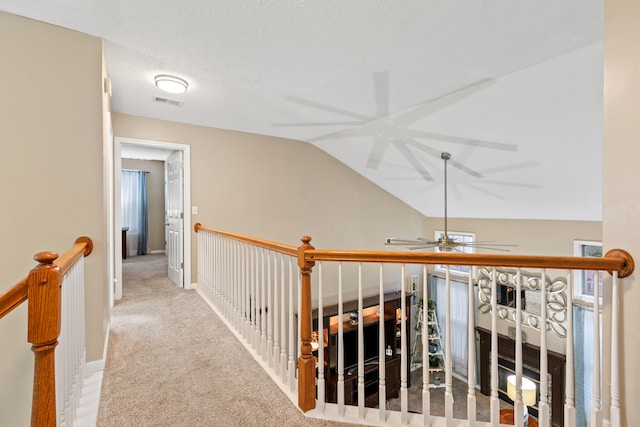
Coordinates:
[19,292]
[277,247]
[615,260]
[83,246]
[13,297]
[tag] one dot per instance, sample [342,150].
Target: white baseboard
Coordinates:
[95,366]
[159,251]
[87,413]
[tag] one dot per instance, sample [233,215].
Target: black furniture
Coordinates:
[391,315]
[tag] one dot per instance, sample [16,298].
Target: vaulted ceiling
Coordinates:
[512,89]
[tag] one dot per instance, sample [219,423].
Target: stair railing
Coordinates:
[44,290]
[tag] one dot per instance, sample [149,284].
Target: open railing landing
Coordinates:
[328,359]
[54,292]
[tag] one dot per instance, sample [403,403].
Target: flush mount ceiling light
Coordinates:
[171,84]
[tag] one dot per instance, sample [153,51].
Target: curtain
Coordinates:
[135,213]
[583,359]
[459,320]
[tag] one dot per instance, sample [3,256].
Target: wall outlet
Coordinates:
[194,210]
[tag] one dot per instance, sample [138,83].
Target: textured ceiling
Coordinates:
[512,89]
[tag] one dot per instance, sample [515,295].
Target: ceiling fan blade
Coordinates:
[434,104]
[513,166]
[435,153]
[408,155]
[346,133]
[463,140]
[377,152]
[510,184]
[316,124]
[417,248]
[394,241]
[492,248]
[329,108]
[381,92]
[477,244]
[465,169]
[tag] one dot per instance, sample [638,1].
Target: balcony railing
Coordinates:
[274,297]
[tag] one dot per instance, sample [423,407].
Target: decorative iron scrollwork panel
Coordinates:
[556,307]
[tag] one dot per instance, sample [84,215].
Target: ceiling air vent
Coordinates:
[168,101]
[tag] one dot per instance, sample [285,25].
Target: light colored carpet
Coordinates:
[172,362]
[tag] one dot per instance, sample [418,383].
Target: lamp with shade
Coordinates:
[528,393]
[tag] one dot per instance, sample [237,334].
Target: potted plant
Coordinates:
[436,380]
[434,361]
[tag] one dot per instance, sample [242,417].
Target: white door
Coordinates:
[175,217]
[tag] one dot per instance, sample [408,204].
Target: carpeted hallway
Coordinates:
[172,362]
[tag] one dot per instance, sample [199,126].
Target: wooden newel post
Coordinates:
[306,361]
[43,332]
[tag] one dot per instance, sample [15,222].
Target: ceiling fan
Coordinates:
[395,132]
[445,243]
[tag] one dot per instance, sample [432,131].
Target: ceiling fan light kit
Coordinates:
[171,84]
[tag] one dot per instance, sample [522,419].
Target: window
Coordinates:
[458,237]
[584,281]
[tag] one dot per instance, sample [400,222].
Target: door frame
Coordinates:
[116,249]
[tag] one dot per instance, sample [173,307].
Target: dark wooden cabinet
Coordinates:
[391,317]
[531,361]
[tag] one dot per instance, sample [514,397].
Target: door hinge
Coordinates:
[182,265]
[181,215]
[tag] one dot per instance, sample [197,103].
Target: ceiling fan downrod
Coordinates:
[445,156]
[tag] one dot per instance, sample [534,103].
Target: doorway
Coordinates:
[177,219]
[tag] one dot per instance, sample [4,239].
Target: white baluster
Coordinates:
[256,301]
[471,346]
[569,405]
[340,345]
[543,405]
[426,394]
[269,312]
[615,357]
[360,346]
[448,391]
[382,365]
[292,334]
[404,394]
[320,331]
[596,408]
[518,404]
[495,401]
[283,321]
[276,316]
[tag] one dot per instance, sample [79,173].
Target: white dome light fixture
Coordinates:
[171,84]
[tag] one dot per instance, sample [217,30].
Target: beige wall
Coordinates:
[532,237]
[278,189]
[621,227]
[155,199]
[51,135]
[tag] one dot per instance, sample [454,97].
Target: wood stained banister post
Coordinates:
[306,361]
[43,331]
